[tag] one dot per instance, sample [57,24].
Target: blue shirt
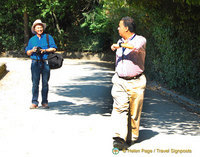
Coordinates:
[42,42]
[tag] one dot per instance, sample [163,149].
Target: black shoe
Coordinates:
[120,144]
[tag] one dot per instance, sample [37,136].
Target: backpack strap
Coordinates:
[47,36]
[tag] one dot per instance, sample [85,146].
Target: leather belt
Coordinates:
[42,60]
[131,78]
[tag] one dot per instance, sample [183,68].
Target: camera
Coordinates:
[38,51]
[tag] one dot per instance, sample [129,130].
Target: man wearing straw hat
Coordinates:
[38,50]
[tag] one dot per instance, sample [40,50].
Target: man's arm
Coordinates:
[136,48]
[125,45]
[48,50]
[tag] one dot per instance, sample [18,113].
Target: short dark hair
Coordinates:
[129,22]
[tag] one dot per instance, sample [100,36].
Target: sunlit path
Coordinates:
[78,121]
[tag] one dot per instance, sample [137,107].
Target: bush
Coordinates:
[173,46]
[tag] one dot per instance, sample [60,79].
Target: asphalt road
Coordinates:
[78,122]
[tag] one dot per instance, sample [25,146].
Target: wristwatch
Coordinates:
[120,44]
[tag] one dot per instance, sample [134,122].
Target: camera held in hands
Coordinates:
[38,51]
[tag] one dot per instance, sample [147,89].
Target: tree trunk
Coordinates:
[56,22]
[26,32]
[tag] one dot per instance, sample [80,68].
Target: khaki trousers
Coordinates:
[128,98]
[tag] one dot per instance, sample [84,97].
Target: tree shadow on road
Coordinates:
[169,117]
[85,100]
[86,95]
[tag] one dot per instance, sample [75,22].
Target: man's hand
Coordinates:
[29,52]
[34,49]
[48,50]
[115,46]
[42,51]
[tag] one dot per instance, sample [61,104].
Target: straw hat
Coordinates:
[38,21]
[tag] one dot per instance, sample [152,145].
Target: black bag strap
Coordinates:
[47,36]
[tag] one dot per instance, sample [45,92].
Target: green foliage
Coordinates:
[173,44]
[10,23]
[189,2]
[104,19]
[95,28]
[97,21]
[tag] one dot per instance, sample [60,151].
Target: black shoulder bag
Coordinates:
[55,60]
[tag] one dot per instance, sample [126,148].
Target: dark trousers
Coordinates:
[39,68]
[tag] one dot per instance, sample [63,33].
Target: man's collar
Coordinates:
[41,35]
[129,39]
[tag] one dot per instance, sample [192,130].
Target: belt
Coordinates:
[131,78]
[41,60]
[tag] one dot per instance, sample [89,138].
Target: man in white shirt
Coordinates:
[129,83]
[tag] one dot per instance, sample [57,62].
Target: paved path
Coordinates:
[78,122]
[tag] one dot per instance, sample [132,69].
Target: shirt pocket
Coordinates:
[44,45]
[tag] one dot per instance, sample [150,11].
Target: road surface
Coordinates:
[78,122]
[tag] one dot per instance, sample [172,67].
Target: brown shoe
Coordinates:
[45,106]
[33,106]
